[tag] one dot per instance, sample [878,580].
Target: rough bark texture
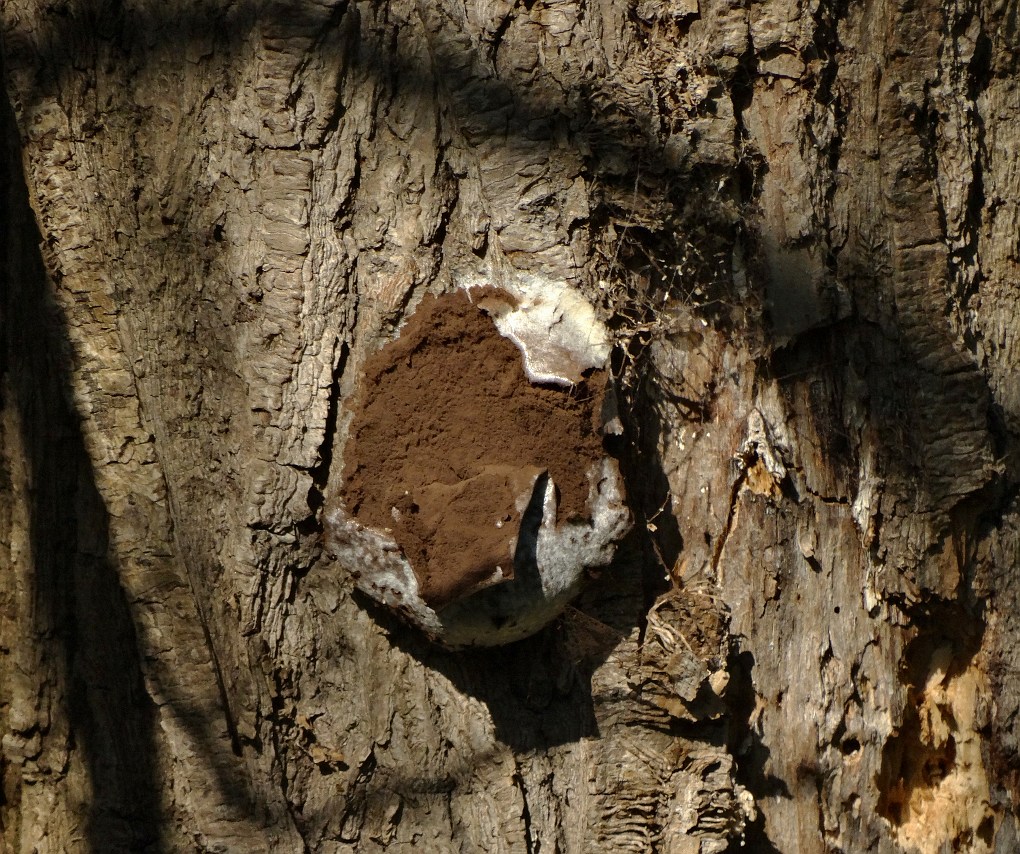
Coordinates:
[800,220]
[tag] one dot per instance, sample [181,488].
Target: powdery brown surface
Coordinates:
[448,433]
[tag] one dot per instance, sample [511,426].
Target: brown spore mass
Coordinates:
[448,433]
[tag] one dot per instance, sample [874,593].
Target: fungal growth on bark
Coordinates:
[476,491]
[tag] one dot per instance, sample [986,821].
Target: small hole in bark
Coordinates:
[850,746]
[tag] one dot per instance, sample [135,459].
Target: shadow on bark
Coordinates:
[80,615]
[535,689]
[751,754]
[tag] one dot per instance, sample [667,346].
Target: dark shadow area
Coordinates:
[751,755]
[81,620]
[538,690]
[648,489]
[82,614]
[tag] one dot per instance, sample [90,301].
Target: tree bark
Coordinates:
[798,220]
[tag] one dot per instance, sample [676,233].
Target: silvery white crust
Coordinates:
[549,565]
[378,568]
[553,325]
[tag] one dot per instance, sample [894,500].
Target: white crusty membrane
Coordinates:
[553,325]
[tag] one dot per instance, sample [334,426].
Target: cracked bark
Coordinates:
[803,216]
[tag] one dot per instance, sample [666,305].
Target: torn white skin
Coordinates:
[555,328]
[549,566]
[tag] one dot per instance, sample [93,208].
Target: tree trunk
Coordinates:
[799,223]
